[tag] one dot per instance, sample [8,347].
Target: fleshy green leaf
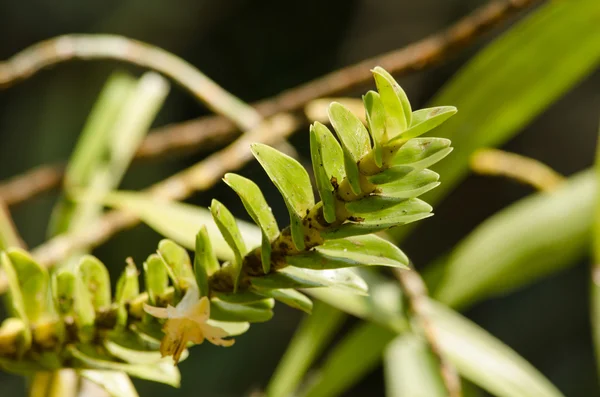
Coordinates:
[420,153]
[179,221]
[397,106]
[74,298]
[354,138]
[29,286]
[224,311]
[232,328]
[259,210]
[95,277]
[228,227]
[18,332]
[177,262]
[411,368]
[292,277]
[424,120]
[156,277]
[412,185]
[373,214]
[328,165]
[375,113]
[290,297]
[292,181]
[164,372]
[205,261]
[127,289]
[132,356]
[242,297]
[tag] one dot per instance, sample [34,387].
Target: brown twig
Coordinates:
[178,187]
[417,56]
[416,294]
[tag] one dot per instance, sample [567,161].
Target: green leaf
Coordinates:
[127,289]
[309,341]
[595,270]
[116,384]
[342,368]
[328,165]
[96,279]
[164,372]
[259,210]
[373,214]
[241,297]
[177,262]
[397,106]
[156,278]
[515,83]
[205,261]
[179,221]
[354,138]
[29,286]
[228,227]
[290,297]
[483,359]
[224,311]
[75,299]
[411,368]
[420,153]
[18,332]
[424,120]
[477,355]
[292,181]
[291,277]
[368,250]
[534,237]
[375,113]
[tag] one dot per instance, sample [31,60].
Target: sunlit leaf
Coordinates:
[397,106]
[259,210]
[116,384]
[292,277]
[375,113]
[420,153]
[127,289]
[226,223]
[156,277]
[328,165]
[177,262]
[290,297]
[205,261]
[292,181]
[424,120]
[354,138]
[97,280]
[224,311]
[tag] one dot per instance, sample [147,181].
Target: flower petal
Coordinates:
[200,312]
[215,335]
[158,312]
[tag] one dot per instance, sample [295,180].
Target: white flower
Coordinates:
[187,322]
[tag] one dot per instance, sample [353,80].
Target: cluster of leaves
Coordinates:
[368,180]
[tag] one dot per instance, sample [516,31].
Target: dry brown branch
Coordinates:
[194,133]
[416,294]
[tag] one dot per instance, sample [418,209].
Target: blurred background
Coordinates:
[256,50]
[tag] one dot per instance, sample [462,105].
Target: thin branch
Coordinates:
[195,133]
[100,46]
[9,235]
[178,187]
[416,294]
[515,166]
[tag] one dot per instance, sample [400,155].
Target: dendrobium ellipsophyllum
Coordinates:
[187,322]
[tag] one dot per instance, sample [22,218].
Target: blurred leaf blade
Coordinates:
[595,269]
[308,342]
[534,237]
[411,369]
